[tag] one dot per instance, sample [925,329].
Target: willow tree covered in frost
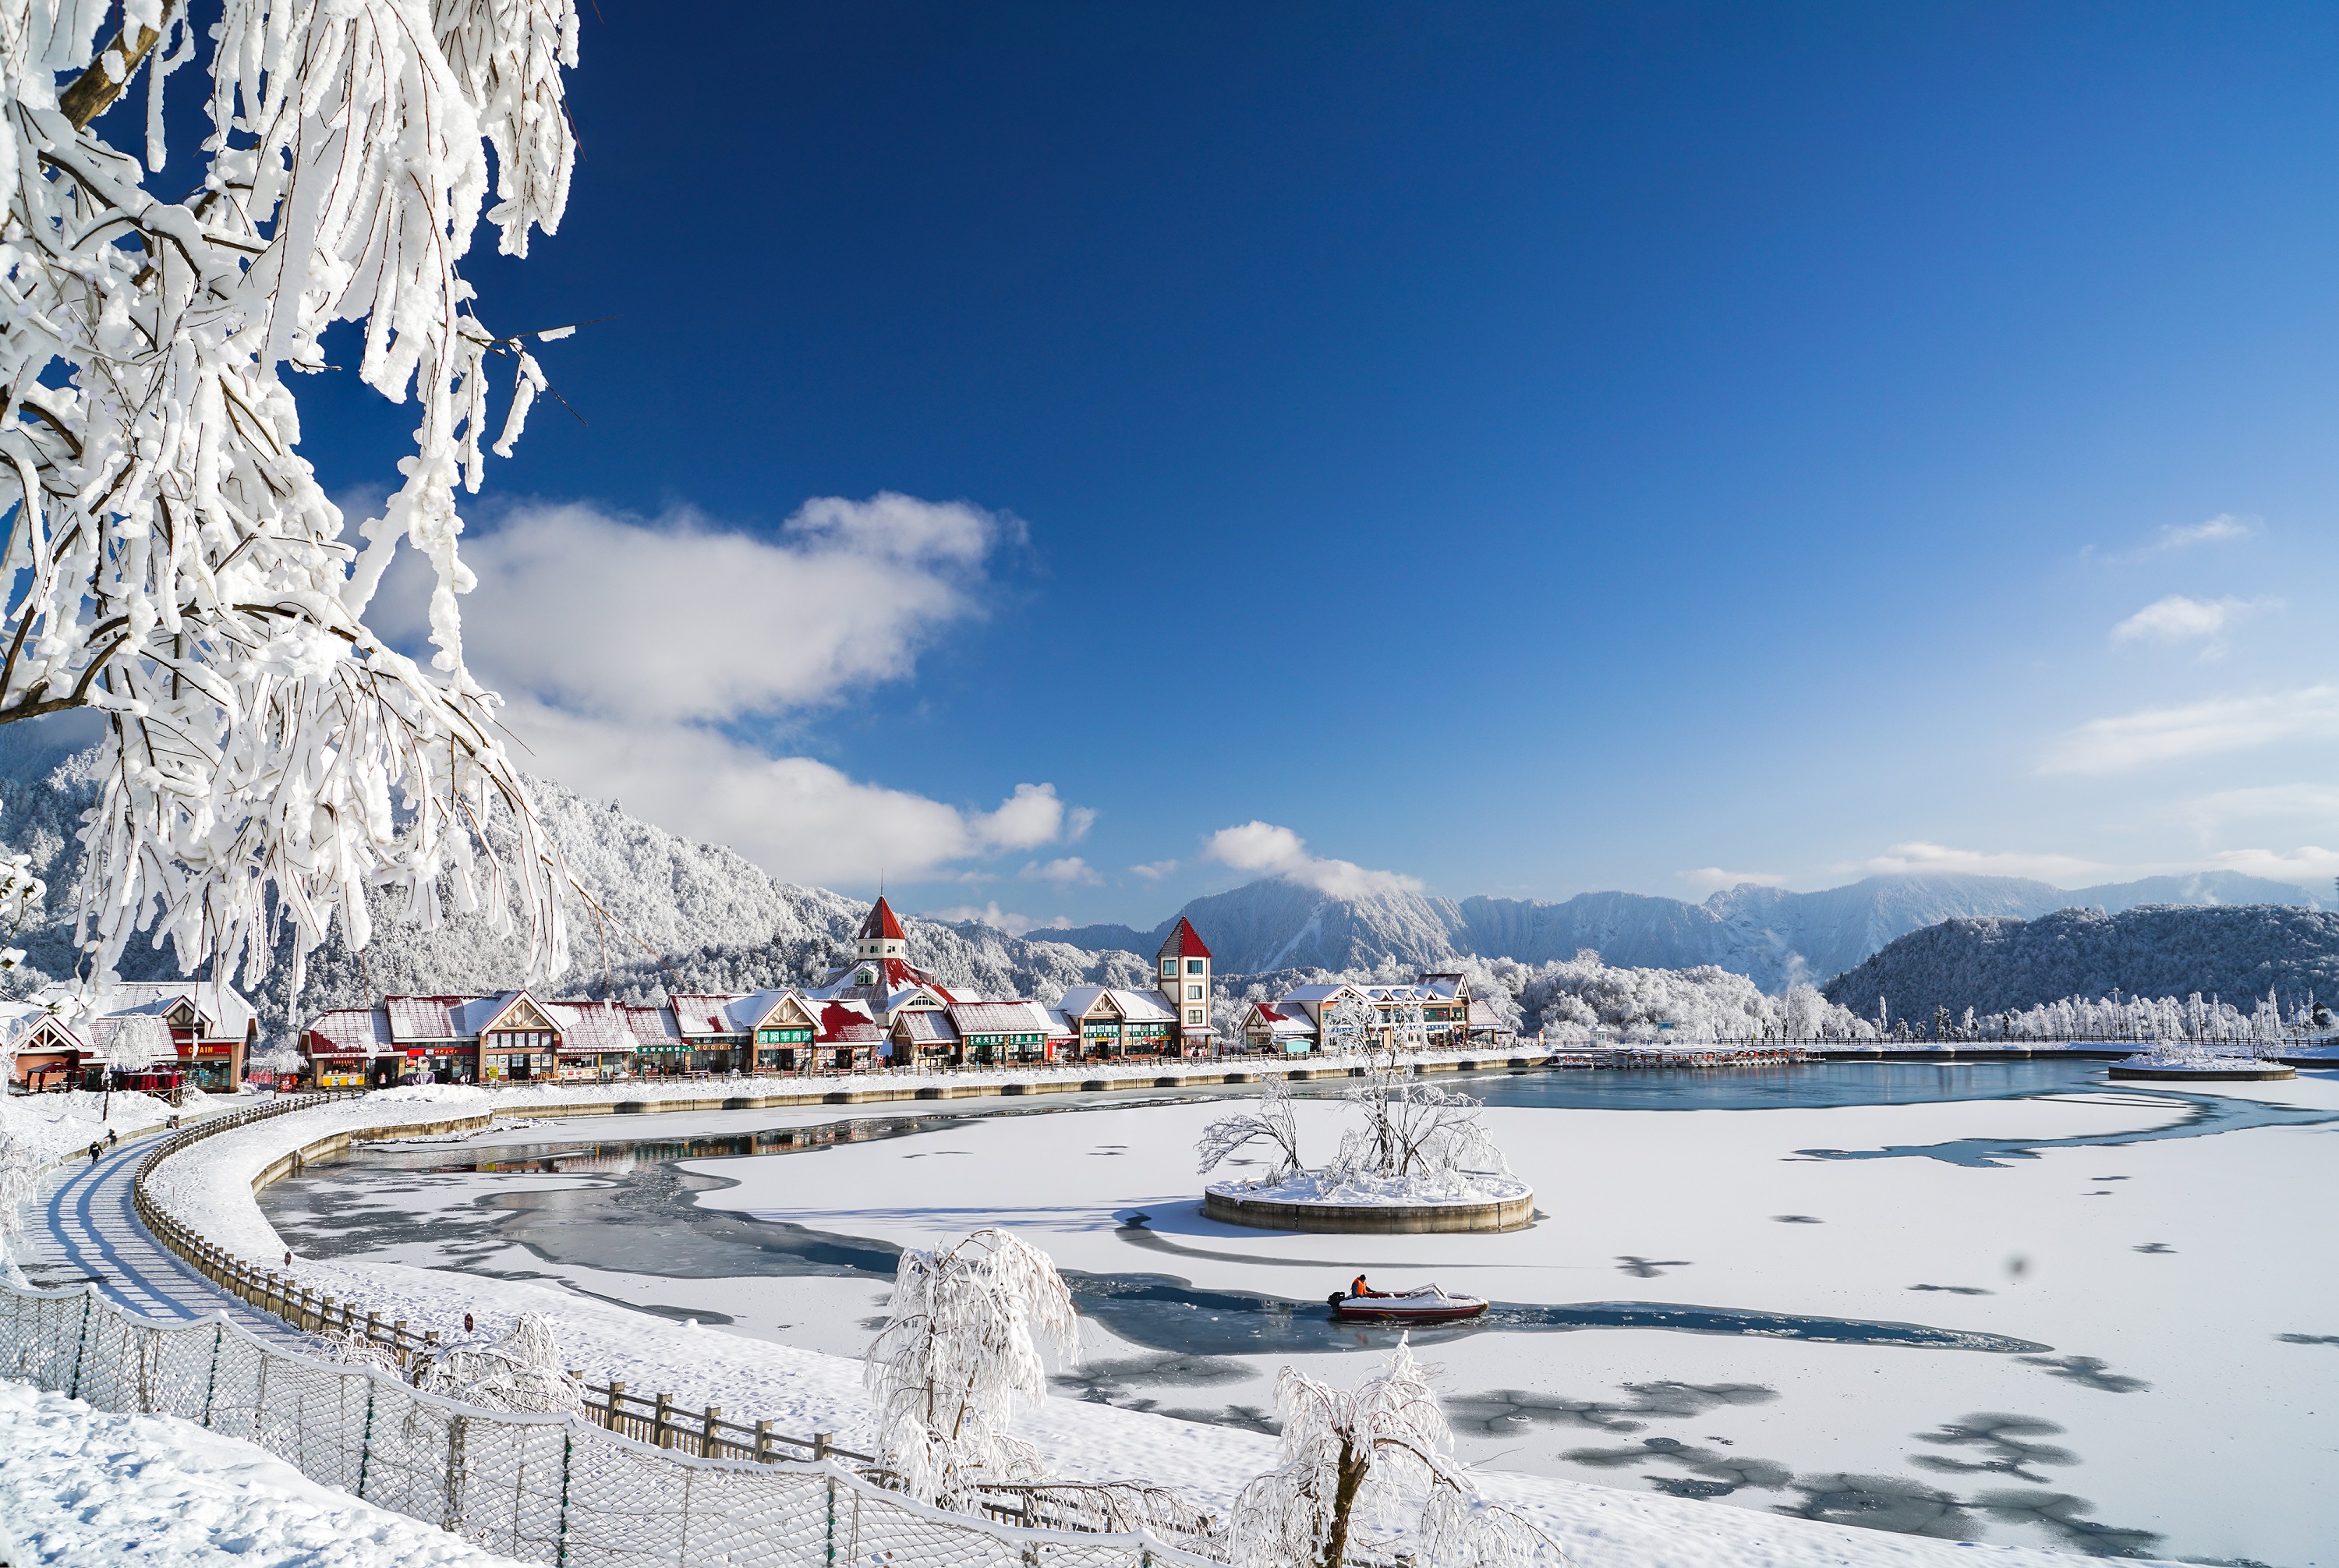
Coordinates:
[172,562]
[1357,1473]
[960,1350]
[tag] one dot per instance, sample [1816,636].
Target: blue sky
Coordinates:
[1519,449]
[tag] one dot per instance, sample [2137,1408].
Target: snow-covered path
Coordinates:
[87,1232]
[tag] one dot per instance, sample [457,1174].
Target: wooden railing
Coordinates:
[655,1419]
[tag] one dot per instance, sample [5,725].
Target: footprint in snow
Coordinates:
[1798,1219]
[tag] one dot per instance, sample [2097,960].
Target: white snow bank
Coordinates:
[1351,1190]
[82,1489]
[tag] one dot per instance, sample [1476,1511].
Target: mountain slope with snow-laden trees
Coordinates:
[656,912]
[1999,965]
[1769,933]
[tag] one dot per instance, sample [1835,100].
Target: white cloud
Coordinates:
[622,645]
[1714,879]
[2290,802]
[2220,529]
[2179,620]
[1069,871]
[1154,870]
[672,620]
[2306,866]
[1279,852]
[992,915]
[2138,740]
[1917,857]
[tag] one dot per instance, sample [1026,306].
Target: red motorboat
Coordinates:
[1422,1304]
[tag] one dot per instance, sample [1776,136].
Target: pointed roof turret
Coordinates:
[1184,942]
[880,923]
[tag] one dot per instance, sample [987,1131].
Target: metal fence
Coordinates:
[546,1489]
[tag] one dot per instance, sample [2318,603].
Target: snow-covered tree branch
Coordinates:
[173,564]
[1273,1123]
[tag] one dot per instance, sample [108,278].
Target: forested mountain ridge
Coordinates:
[1999,964]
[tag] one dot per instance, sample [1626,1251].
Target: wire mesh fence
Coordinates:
[547,1489]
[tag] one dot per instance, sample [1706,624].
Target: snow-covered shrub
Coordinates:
[1358,1472]
[522,1371]
[960,1349]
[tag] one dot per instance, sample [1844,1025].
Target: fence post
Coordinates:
[365,1443]
[219,1332]
[81,1349]
[567,1446]
[707,1442]
[660,1436]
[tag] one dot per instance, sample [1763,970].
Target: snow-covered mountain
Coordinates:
[1997,965]
[671,913]
[1771,934]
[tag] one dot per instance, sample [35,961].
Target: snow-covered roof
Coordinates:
[1000,1018]
[589,1027]
[652,1025]
[419,1018]
[758,1007]
[1444,987]
[848,1023]
[1483,1015]
[880,923]
[1315,993]
[924,1029]
[132,1040]
[223,1013]
[1277,1021]
[699,1014]
[1138,1006]
[351,1031]
[1061,1025]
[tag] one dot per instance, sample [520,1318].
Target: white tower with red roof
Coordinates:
[881,934]
[1183,965]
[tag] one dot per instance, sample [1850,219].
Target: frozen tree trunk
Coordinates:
[1355,1463]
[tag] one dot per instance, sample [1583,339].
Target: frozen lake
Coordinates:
[2006,1302]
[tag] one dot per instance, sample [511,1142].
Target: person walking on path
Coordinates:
[112,1138]
[95,1149]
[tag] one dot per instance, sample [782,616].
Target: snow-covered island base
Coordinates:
[1320,1201]
[1416,1159]
[2179,1063]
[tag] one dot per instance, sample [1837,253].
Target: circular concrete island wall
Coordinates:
[2218,1069]
[1297,1205]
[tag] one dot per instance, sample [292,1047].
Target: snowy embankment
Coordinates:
[803,1391]
[80,1488]
[50,1127]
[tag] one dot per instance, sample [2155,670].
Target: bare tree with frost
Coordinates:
[960,1349]
[176,566]
[1273,1123]
[521,1371]
[1411,1130]
[1358,1472]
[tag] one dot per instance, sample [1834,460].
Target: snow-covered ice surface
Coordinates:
[84,1489]
[2042,1320]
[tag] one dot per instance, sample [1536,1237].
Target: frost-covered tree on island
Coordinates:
[1355,1469]
[960,1349]
[266,757]
[1273,1123]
